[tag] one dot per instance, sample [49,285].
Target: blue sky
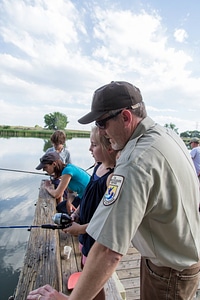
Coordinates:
[54,54]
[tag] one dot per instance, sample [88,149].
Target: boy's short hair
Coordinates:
[58,137]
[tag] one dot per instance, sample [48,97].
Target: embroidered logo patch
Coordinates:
[113,189]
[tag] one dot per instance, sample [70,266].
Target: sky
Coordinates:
[55,54]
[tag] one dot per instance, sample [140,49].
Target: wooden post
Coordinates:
[42,258]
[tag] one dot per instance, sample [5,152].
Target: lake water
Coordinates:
[18,195]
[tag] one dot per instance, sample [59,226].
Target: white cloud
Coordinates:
[54,54]
[180,35]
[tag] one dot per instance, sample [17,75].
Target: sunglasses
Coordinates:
[102,123]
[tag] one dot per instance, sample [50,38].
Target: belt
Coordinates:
[191,270]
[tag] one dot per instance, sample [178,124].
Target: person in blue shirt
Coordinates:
[71,177]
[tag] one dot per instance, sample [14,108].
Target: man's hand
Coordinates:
[46,292]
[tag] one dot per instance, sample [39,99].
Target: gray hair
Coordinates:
[138,110]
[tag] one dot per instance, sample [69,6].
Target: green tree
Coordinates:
[185,134]
[172,126]
[188,135]
[55,121]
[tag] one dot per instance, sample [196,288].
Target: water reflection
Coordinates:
[18,195]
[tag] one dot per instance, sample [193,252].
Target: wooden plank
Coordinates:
[111,290]
[132,263]
[128,273]
[119,286]
[73,264]
[130,282]
[42,258]
[133,294]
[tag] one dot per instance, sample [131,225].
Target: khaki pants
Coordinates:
[163,283]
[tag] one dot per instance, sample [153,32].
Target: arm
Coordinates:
[58,192]
[71,195]
[100,264]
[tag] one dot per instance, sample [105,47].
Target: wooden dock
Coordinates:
[128,272]
[45,261]
[42,258]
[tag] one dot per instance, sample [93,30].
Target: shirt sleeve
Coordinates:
[193,153]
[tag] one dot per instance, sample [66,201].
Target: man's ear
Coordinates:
[110,149]
[126,115]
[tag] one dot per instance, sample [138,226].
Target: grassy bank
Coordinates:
[38,132]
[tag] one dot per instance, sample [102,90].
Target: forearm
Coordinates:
[71,196]
[62,186]
[53,192]
[83,228]
[100,264]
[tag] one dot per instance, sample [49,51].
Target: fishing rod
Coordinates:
[90,167]
[46,226]
[29,172]
[36,173]
[62,220]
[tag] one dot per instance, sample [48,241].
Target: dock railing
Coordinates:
[44,260]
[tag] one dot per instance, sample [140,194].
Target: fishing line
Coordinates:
[29,172]
[36,173]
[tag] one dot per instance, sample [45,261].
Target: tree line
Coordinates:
[186,134]
[57,120]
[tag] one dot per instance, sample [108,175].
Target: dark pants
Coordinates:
[163,283]
[61,207]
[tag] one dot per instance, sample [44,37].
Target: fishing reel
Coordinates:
[62,219]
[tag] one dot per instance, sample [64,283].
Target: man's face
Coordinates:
[114,130]
[193,145]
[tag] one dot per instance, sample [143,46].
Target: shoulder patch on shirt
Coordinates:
[113,189]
